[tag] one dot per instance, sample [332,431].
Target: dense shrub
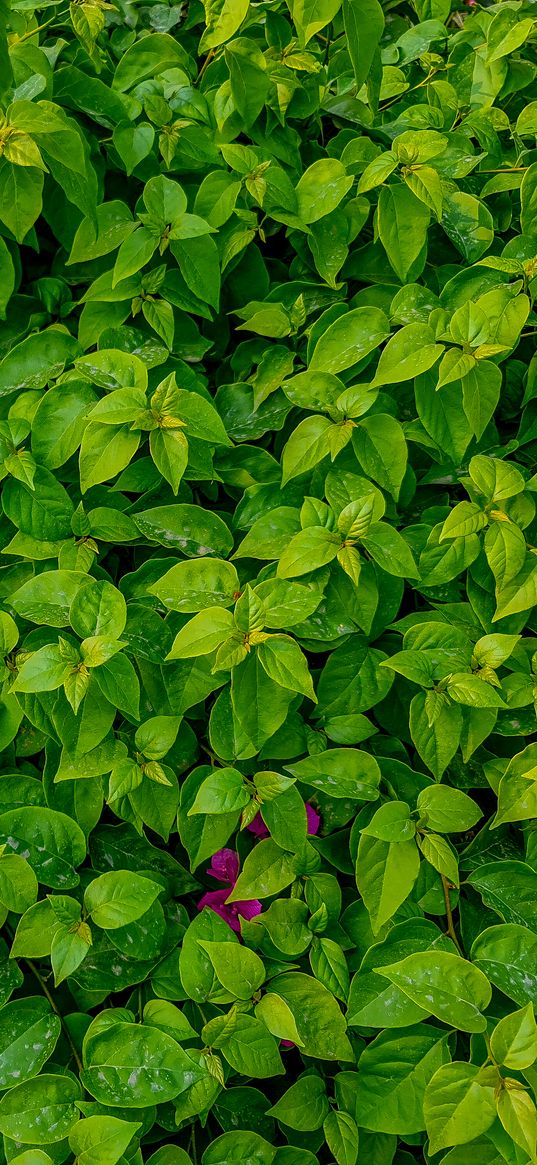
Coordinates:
[268,869]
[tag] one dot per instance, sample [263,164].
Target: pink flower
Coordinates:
[258,826]
[225,868]
[314,820]
[232,913]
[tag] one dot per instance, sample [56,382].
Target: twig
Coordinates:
[205,64]
[40,28]
[450,925]
[419,85]
[32,967]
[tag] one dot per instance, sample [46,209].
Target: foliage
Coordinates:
[268,861]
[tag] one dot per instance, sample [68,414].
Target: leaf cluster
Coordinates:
[268,585]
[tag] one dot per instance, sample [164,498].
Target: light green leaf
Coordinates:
[459,1104]
[119,897]
[445,985]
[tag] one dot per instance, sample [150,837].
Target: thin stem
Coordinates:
[40,28]
[212,755]
[327,40]
[450,925]
[419,85]
[205,64]
[32,967]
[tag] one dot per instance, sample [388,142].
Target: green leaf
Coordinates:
[41,1111]
[267,870]
[518,1116]
[514,1039]
[278,1018]
[196,585]
[35,930]
[186,528]
[35,360]
[329,966]
[141,60]
[447,810]
[382,451]
[286,603]
[521,593]
[248,79]
[364,25]
[43,671]
[304,1106]
[517,793]
[259,705]
[285,663]
[468,223]
[21,190]
[319,1021]
[196,970]
[42,510]
[223,791]
[308,550]
[101,1140]
[7,272]
[251,1050]
[372,1001]
[69,948]
[436,730]
[198,263]
[402,226]
[395,1069]
[438,852]
[222,19]
[445,985]
[134,252]
[47,598]
[385,875]
[234,1148]
[117,898]
[131,1066]
[349,339]
[240,971]
[341,772]
[29,1032]
[203,634]
[285,818]
[387,547]
[506,955]
[306,447]
[53,842]
[509,888]
[341,1134]
[325,183]
[104,452]
[459,1104]
[18,883]
[410,351]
